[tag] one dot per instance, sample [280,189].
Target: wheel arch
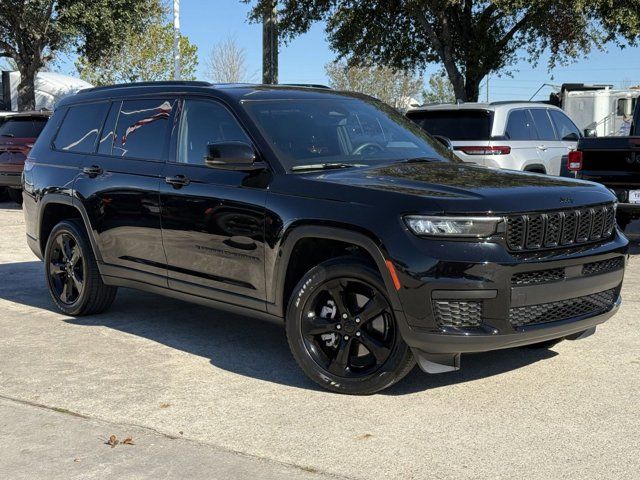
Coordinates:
[297,234]
[535,168]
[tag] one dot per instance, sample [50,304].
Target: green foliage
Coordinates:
[146,56]
[394,87]
[32,32]
[440,90]
[469,38]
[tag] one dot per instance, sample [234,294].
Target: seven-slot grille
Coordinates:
[537,231]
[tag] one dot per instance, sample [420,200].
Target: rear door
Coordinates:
[550,148]
[119,187]
[213,219]
[522,137]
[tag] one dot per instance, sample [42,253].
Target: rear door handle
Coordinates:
[92,171]
[178,181]
[542,147]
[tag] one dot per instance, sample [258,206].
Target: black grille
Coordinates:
[539,276]
[593,304]
[537,231]
[455,313]
[604,266]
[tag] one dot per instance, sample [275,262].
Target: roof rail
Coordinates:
[164,83]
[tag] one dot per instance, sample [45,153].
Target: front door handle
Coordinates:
[178,181]
[542,147]
[93,171]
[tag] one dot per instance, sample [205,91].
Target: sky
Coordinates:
[207,22]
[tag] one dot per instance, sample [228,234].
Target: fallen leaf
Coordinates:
[77,460]
[165,405]
[364,436]
[128,441]
[181,432]
[113,441]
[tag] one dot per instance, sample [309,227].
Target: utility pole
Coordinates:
[176,40]
[270,46]
[487,88]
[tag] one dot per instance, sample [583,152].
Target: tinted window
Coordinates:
[202,123]
[22,127]
[564,126]
[79,130]
[457,125]
[543,124]
[141,131]
[108,136]
[520,126]
[340,129]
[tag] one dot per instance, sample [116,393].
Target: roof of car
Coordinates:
[239,91]
[480,105]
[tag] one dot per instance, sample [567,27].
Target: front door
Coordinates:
[213,219]
[550,148]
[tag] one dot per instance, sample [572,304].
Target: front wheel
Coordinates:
[342,330]
[15,195]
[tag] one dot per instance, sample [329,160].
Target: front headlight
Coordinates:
[435,226]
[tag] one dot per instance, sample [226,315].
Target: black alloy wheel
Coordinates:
[66,269]
[343,331]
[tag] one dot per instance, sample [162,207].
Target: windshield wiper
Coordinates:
[421,160]
[325,166]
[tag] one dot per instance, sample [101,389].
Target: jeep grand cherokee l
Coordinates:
[332,211]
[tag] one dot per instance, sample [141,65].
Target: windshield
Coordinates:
[340,130]
[455,125]
[22,127]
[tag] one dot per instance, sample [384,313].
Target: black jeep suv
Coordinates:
[329,210]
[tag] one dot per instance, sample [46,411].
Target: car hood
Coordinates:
[465,188]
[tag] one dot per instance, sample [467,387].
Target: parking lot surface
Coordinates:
[222,383]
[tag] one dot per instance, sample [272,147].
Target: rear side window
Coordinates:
[455,125]
[564,126]
[80,128]
[141,130]
[543,124]
[22,127]
[520,126]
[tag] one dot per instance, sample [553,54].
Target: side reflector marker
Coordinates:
[394,275]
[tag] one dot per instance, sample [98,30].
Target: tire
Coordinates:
[358,355]
[15,195]
[544,345]
[74,282]
[3,194]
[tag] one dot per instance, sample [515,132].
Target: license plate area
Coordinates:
[634,196]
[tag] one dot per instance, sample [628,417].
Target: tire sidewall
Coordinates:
[71,228]
[393,368]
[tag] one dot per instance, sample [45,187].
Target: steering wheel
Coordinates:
[360,149]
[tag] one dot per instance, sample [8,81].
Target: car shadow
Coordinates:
[236,343]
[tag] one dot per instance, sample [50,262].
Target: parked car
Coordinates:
[615,163]
[526,136]
[332,211]
[18,132]
[3,116]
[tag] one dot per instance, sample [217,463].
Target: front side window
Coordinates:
[336,129]
[22,127]
[564,126]
[141,130]
[543,124]
[204,122]
[520,126]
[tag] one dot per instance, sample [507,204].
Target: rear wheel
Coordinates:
[342,330]
[72,273]
[3,194]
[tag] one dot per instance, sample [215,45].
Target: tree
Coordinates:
[469,38]
[145,56]
[227,63]
[394,87]
[440,90]
[32,32]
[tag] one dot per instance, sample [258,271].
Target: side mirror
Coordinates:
[444,141]
[232,156]
[590,132]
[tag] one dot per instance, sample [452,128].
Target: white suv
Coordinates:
[516,135]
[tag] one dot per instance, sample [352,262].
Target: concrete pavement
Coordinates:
[229,384]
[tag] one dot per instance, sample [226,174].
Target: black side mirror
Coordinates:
[444,141]
[232,156]
[590,132]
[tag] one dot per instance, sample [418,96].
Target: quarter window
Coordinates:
[543,124]
[204,122]
[564,126]
[141,131]
[80,127]
[520,126]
